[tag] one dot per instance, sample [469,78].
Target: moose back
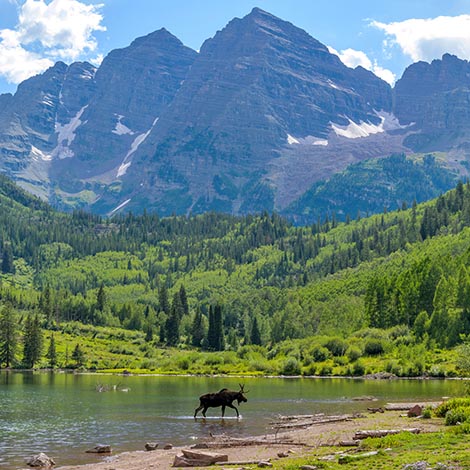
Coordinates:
[222,398]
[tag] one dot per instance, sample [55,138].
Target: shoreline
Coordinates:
[376,376]
[296,443]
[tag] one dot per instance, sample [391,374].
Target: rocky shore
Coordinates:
[289,437]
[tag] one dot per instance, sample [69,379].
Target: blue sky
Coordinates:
[382,35]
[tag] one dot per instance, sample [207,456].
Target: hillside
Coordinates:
[222,282]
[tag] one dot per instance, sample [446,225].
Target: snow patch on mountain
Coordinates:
[66,135]
[120,206]
[364,129]
[37,154]
[120,128]
[126,163]
[292,140]
[309,140]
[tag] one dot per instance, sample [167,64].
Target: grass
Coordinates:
[441,451]
[109,349]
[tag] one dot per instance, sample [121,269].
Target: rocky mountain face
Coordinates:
[435,99]
[263,112]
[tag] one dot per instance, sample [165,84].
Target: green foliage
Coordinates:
[290,367]
[374,347]
[8,336]
[374,289]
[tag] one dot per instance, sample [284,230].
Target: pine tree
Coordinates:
[51,354]
[255,337]
[197,329]
[32,341]
[8,336]
[172,327]
[184,300]
[163,299]
[78,355]
[101,298]
[215,338]
[8,266]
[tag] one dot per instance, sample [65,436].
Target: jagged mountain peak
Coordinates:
[159,38]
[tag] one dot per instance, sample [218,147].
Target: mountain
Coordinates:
[132,88]
[259,119]
[435,100]
[257,87]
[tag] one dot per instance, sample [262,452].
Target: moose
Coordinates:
[223,398]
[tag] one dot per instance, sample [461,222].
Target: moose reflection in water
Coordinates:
[222,398]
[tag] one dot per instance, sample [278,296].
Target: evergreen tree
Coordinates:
[8,336]
[51,354]
[78,355]
[32,341]
[8,266]
[148,333]
[215,337]
[255,337]
[184,300]
[163,298]
[101,298]
[197,329]
[211,331]
[172,327]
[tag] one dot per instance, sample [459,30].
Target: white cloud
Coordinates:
[48,31]
[353,58]
[428,39]
[16,63]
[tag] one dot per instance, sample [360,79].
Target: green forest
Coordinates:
[255,294]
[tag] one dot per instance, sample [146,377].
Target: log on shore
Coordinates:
[383,432]
[408,406]
[192,458]
[302,422]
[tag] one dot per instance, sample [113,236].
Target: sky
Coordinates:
[384,36]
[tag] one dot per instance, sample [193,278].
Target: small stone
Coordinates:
[282,454]
[40,460]
[151,446]
[168,446]
[308,467]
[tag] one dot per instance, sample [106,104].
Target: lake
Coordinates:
[63,415]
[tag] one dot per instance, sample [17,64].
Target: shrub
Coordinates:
[325,370]
[427,413]
[457,416]
[358,369]
[336,346]
[291,367]
[453,404]
[353,353]
[320,354]
[374,347]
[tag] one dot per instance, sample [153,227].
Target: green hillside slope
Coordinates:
[328,298]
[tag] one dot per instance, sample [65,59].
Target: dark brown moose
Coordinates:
[222,398]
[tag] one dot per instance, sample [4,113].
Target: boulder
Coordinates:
[40,460]
[415,411]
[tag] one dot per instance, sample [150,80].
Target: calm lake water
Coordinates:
[63,414]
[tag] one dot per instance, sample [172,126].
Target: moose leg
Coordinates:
[199,408]
[235,408]
[223,410]
[204,411]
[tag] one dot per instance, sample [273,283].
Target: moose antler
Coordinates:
[242,389]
